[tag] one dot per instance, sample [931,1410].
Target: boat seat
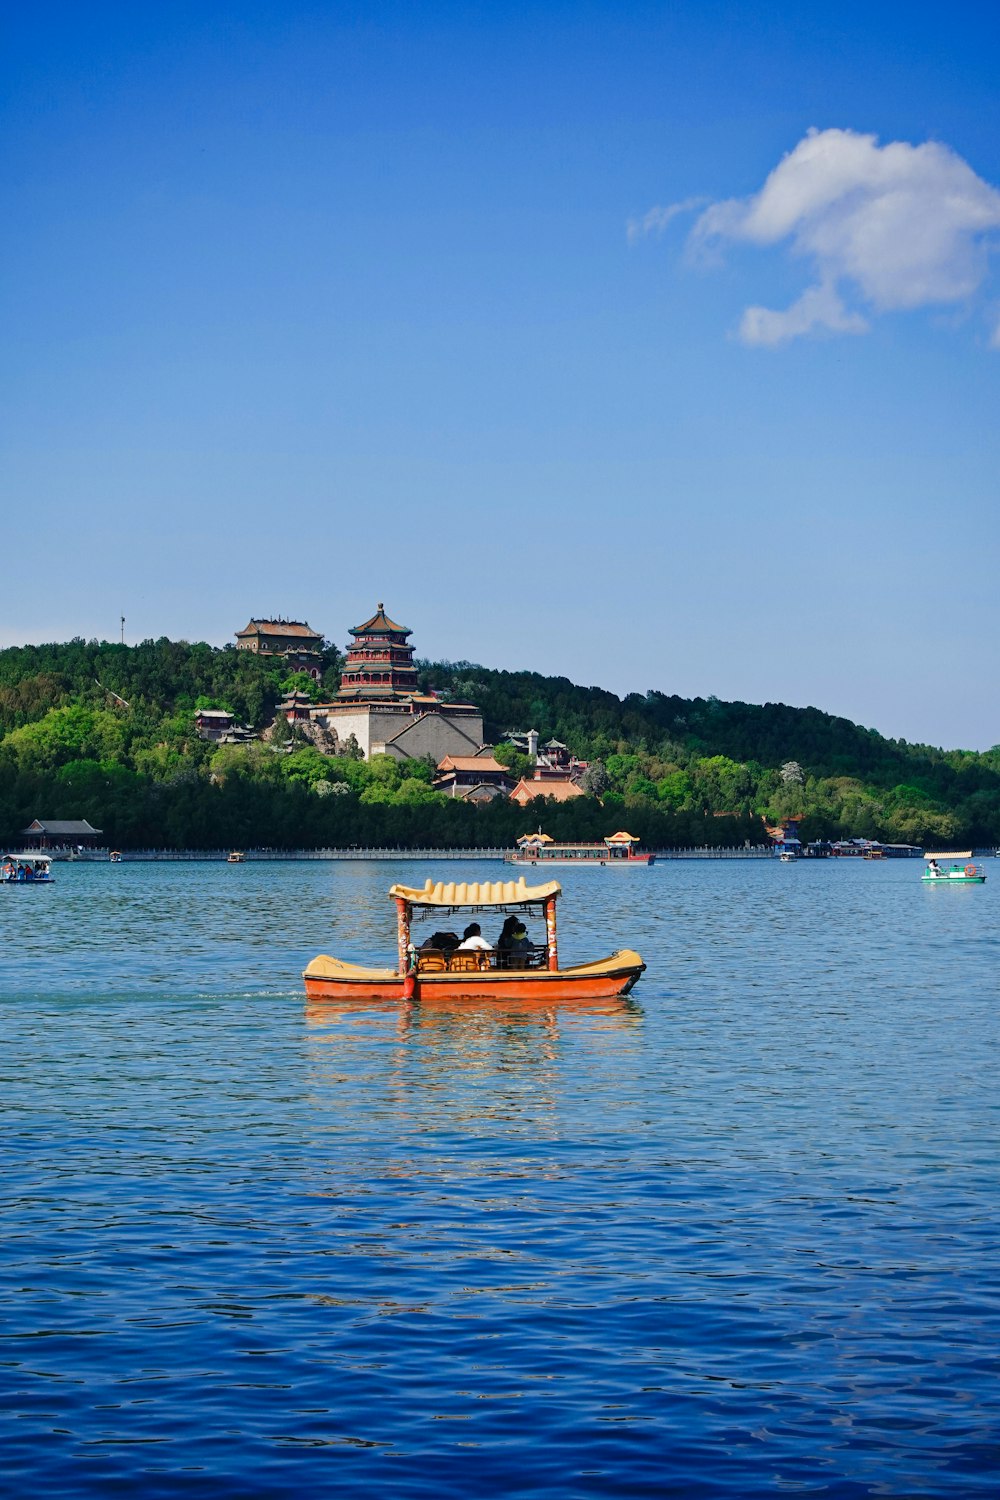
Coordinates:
[431,961]
[470,961]
[535,957]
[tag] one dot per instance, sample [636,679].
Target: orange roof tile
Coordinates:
[280,627]
[470,763]
[380,624]
[558,791]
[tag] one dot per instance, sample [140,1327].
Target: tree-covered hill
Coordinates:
[106,731]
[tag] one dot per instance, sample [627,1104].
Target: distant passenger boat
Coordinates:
[236,857]
[960,873]
[618,849]
[115,857]
[25,869]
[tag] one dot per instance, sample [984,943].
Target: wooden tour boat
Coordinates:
[962,871]
[25,869]
[618,849]
[469,973]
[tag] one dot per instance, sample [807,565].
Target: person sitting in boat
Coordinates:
[440,942]
[473,938]
[504,941]
[520,948]
[933,868]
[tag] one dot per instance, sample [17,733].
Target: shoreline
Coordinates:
[261,856]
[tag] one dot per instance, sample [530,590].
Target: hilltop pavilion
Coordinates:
[295,641]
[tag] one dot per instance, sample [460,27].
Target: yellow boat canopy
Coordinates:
[952,854]
[487,893]
[621,838]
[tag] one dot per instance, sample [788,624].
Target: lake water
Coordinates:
[734,1236]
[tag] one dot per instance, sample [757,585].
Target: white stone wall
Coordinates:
[436,734]
[368,725]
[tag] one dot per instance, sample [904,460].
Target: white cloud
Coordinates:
[657,219]
[889,227]
[818,307]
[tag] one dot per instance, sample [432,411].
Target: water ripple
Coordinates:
[734,1236]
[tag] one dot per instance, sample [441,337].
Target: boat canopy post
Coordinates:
[550,931]
[403,933]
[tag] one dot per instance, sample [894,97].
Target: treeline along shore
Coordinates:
[107,732]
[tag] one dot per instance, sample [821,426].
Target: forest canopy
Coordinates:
[106,732]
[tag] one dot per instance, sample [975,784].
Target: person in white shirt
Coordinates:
[473,938]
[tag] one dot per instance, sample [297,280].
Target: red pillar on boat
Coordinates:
[550,931]
[403,933]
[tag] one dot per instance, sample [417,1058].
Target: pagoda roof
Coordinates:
[280,627]
[378,665]
[380,624]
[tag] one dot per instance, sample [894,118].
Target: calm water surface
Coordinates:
[736,1235]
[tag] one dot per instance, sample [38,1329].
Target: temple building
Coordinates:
[295,641]
[55,833]
[220,726]
[381,705]
[379,665]
[558,788]
[473,778]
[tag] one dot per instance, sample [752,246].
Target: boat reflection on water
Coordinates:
[414,1053]
[448,1011]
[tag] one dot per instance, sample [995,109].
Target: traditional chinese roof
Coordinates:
[61,828]
[470,763]
[380,624]
[621,838]
[485,893]
[558,790]
[294,628]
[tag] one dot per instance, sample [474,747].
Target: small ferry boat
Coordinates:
[618,849]
[441,968]
[961,871]
[115,857]
[26,869]
[236,857]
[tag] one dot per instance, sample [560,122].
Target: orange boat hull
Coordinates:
[330,979]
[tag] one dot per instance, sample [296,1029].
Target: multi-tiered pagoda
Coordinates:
[381,708]
[379,666]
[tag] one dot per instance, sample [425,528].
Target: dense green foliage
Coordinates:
[106,732]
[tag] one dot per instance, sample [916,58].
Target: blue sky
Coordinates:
[308,306]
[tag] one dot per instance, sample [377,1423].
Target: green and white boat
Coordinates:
[953,869]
